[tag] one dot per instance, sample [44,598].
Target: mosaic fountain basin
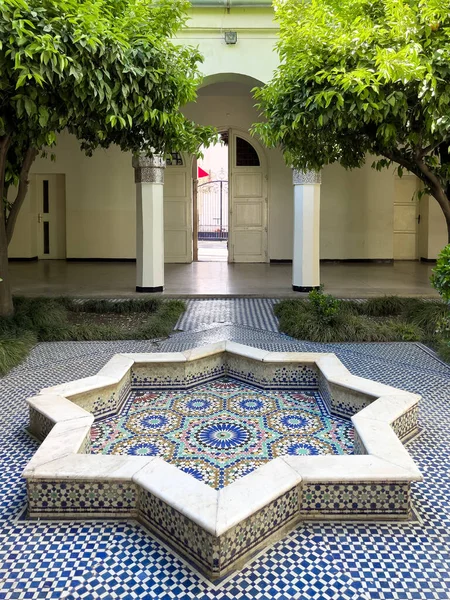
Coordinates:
[218,530]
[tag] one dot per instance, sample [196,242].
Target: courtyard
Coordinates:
[115,559]
[212,279]
[224,293]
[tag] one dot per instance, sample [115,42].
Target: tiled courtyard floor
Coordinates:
[317,560]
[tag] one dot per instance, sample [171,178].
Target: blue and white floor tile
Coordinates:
[251,312]
[92,560]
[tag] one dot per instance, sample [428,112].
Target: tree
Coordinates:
[361,77]
[105,70]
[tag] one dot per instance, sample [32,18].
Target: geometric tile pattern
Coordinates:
[359,497]
[103,497]
[222,430]
[320,560]
[251,312]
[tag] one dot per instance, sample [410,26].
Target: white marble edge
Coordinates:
[142,358]
[57,408]
[249,494]
[100,467]
[309,358]
[367,387]
[194,499]
[203,351]
[245,351]
[80,386]
[389,408]
[379,439]
[117,367]
[65,438]
[347,469]
[330,366]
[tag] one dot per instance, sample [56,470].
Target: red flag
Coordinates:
[201,173]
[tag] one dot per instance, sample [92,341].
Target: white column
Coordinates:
[149,178]
[305,264]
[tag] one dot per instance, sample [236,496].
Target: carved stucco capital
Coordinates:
[149,169]
[306,177]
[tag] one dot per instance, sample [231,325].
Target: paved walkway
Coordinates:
[215,279]
[120,560]
[250,312]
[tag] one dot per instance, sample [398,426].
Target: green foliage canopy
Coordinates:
[105,70]
[362,77]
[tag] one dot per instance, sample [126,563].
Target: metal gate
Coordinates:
[212,199]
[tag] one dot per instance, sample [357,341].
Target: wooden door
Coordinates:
[405,218]
[51,215]
[178,211]
[248,200]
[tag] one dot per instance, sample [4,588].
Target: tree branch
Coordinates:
[30,155]
[404,162]
[436,187]
[429,149]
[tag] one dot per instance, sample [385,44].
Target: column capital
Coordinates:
[306,177]
[149,169]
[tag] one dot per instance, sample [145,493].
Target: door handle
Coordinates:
[40,218]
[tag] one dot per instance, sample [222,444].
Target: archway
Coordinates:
[224,101]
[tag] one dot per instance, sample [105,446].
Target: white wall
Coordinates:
[24,241]
[356,213]
[100,203]
[433,229]
[254,54]
[356,207]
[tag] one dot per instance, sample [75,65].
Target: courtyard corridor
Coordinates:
[218,279]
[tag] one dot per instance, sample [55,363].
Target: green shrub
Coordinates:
[401,331]
[122,307]
[426,314]
[326,319]
[44,319]
[443,349]
[440,278]
[385,306]
[325,306]
[13,350]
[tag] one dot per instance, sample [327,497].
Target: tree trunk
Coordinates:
[30,155]
[6,305]
[443,201]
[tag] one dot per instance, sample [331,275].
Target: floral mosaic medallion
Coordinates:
[222,430]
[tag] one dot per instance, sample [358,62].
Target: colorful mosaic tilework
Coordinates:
[406,425]
[222,430]
[354,499]
[40,426]
[94,498]
[214,554]
[289,376]
[316,561]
